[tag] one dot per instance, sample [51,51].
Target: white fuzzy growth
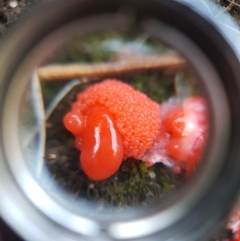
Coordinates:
[158,152]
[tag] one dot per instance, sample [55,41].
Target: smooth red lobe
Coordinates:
[102,150]
[74,122]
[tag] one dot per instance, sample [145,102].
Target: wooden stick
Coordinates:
[122,66]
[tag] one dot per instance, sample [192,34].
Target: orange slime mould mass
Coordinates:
[128,117]
[112,121]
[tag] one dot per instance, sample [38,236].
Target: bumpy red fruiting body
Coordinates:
[135,118]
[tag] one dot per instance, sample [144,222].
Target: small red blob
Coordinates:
[102,147]
[188,126]
[74,122]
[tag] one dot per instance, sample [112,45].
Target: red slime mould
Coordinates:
[112,121]
[183,135]
[188,126]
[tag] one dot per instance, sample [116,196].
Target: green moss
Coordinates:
[157,86]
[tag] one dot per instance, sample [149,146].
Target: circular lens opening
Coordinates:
[117,120]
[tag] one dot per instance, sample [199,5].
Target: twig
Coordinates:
[130,64]
[231,4]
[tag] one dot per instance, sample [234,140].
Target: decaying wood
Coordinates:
[122,66]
